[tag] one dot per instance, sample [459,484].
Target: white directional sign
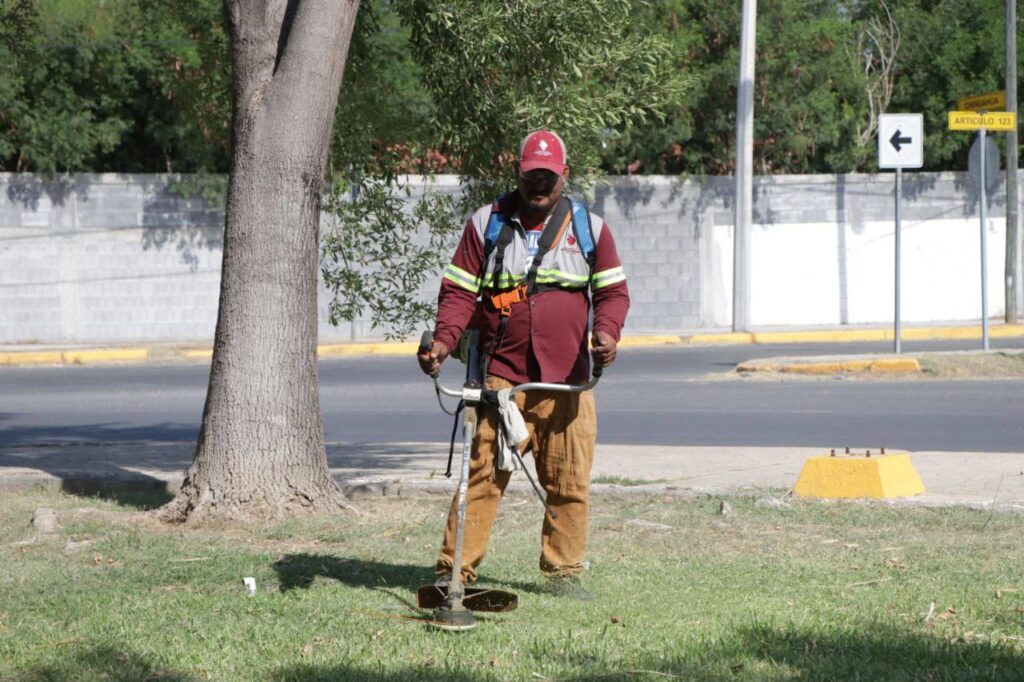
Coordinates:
[900,141]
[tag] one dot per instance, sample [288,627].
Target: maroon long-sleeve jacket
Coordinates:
[546,335]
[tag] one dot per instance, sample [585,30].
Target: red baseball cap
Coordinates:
[542,149]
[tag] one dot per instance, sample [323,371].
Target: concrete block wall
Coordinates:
[123,258]
[105,258]
[656,222]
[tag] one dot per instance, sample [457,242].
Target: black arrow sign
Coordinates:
[896,140]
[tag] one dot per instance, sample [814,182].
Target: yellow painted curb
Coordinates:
[724,339]
[1000,331]
[349,349]
[812,368]
[641,341]
[877,366]
[199,354]
[80,357]
[858,476]
[74,357]
[31,358]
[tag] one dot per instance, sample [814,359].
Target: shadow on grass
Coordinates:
[760,652]
[301,571]
[103,663]
[309,673]
[757,653]
[137,497]
[399,581]
[881,653]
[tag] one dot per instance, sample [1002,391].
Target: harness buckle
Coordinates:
[506,299]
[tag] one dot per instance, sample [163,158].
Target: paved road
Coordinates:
[650,397]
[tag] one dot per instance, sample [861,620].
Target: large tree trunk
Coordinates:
[261,447]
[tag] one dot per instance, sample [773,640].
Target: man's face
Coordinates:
[540,188]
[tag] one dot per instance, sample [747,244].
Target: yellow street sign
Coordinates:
[970,120]
[990,101]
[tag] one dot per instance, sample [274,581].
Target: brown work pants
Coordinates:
[563,430]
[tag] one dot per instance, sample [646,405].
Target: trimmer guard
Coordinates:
[476,599]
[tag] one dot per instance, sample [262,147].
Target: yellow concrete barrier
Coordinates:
[859,476]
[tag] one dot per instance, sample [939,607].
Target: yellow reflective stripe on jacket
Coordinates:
[462,278]
[566,279]
[506,281]
[606,277]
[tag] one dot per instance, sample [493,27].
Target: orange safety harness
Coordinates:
[505,300]
[553,231]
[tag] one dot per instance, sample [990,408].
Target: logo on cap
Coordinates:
[542,149]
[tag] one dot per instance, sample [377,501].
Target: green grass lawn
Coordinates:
[815,591]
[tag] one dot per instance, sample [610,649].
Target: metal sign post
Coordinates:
[900,145]
[896,313]
[984,247]
[983,120]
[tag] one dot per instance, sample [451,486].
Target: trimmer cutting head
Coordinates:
[452,619]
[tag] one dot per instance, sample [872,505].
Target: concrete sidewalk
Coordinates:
[983,480]
[49,354]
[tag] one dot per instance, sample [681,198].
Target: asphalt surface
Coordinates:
[652,396]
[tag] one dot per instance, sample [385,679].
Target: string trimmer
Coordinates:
[453,606]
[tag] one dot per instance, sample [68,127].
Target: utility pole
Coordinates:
[1012,282]
[744,171]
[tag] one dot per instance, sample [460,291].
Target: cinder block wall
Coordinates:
[122,258]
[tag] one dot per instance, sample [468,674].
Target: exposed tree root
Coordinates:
[197,503]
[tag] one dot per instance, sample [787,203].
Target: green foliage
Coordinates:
[187,91]
[378,254]
[808,90]
[87,85]
[500,69]
[494,71]
[950,50]
[383,118]
[435,86]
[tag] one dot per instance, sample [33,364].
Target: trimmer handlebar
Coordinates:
[427,340]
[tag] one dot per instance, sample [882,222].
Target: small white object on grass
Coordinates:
[250,586]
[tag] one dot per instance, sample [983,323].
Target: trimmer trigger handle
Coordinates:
[426,341]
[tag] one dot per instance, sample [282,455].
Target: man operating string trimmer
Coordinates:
[524,274]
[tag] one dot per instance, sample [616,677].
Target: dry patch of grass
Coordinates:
[991,365]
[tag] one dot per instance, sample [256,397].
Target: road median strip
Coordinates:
[872,365]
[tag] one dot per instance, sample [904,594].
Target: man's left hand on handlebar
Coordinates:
[430,361]
[603,350]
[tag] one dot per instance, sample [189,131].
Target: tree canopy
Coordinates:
[133,86]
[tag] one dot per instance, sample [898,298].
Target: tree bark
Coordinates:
[261,447]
